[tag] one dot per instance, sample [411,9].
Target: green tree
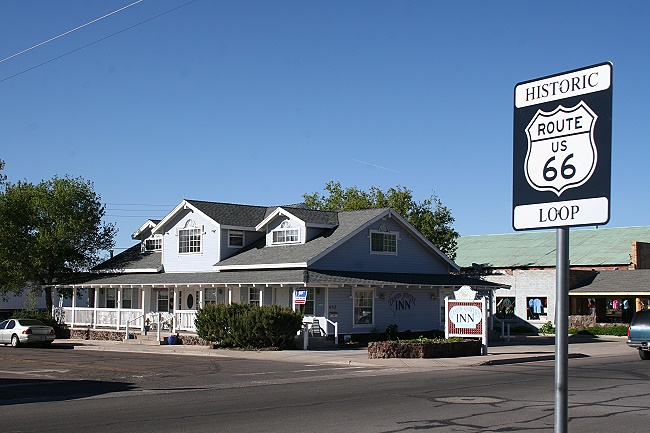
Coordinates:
[429,216]
[49,232]
[3,177]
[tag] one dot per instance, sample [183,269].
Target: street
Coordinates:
[65,390]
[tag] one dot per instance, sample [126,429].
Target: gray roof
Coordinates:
[132,259]
[615,283]
[261,254]
[314,216]
[587,247]
[229,214]
[278,276]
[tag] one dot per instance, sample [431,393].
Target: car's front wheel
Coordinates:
[644,354]
[15,341]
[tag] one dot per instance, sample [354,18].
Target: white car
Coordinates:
[20,331]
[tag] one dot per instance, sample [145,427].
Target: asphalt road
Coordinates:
[62,390]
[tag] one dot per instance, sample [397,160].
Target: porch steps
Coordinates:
[320,343]
[149,340]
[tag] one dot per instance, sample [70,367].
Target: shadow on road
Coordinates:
[21,391]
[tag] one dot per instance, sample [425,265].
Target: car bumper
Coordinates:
[36,338]
[638,344]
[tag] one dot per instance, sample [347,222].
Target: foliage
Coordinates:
[3,177]
[421,340]
[392,332]
[547,328]
[429,216]
[619,330]
[49,232]
[248,325]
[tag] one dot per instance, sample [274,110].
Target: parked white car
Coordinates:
[22,331]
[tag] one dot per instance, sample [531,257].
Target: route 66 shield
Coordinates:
[561,149]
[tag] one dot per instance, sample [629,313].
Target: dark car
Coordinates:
[638,334]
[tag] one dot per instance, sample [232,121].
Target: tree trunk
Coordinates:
[48,299]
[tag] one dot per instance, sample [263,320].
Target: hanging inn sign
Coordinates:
[562,149]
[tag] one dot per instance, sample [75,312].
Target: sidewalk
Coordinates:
[519,349]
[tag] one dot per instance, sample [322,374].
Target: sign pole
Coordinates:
[562,331]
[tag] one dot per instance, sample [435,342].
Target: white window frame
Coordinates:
[157,244]
[159,299]
[283,232]
[112,297]
[383,231]
[368,292]
[235,234]
[127,298]
[194,246]
[254,296]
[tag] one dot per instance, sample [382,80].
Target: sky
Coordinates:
[259,102]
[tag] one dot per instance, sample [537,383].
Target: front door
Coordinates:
[283,297]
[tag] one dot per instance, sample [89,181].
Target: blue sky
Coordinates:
[259,102]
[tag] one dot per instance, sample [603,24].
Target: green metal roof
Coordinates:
[587,247]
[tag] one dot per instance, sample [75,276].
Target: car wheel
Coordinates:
[15,342]
[644,354]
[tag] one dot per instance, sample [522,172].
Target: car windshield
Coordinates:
[30,322]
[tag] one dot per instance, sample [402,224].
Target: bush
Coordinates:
[619,331]
[547,328]
[248,325]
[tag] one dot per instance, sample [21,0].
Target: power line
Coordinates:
[95,42]
[70,31]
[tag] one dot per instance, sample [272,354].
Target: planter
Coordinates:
[172,339]
[394,349]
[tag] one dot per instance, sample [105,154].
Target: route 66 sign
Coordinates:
[562,149]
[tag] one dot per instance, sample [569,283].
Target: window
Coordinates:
[153,244]
[285,234]
[307,309]
[210,296]
[363,302]
[235,238]
[254,295]
[189,238]
[505,307]
[536,307]
[383,241]
[127,298]
[163,300]
[110,298]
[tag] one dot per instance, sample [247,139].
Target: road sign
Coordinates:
[562,149]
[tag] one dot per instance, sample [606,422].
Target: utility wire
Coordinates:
[70,31]
[97,41]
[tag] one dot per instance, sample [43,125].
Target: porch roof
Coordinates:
[297,277]
[615,283]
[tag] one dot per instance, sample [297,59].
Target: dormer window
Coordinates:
[285,234]
[383,241]
[152,244]
[189,238]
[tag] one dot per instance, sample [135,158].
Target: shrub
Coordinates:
[248,325]
[547,328]
[391,332]
[620,330]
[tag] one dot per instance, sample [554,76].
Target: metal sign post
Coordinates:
[561,177]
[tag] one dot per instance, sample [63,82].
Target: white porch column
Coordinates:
[74,305]
[200,300]
[229,295]
[119,308]
[144,308]
[95,309]
[261,296]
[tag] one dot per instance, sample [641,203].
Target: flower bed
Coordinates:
[443,349]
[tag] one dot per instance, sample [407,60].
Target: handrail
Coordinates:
[503,325]
[336,330]
[126,335]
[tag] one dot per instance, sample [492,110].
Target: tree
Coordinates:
[49,232]
[429,216]
[3,177]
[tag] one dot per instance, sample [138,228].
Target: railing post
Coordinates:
[305,336]
[336,333]
[158,327]
[126,336]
